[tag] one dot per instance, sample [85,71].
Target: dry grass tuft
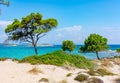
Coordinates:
[69,74]
[68,67]
[81,78]
[103,72]
[91,72]
[63,81]
[99,72]
[106,62]
[116,61]
[43,80]
[35,71]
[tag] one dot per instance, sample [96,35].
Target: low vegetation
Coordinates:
[63,81]
[81,78]
[43,80]
[35,71]
[3,59]
[101,72]
[116,57]
[69,74]
[91,72]
[59,58]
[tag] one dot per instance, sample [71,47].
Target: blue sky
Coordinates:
[77,18]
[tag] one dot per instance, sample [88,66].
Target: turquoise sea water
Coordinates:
[23,51]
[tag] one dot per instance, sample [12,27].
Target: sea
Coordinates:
[22,51]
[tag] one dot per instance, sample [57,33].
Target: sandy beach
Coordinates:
[14,72]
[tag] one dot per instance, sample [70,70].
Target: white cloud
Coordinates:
[56,36]
[3,24]
[78,34]
[68,31]
[112,33]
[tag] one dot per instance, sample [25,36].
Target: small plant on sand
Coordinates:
[43,80]
[81,78]
[95,80]
[106,62]
[103,72]
[91,72]
[69,74]
[35,71]
[116,61]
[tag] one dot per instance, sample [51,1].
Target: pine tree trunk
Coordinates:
[36,51]
[97,56]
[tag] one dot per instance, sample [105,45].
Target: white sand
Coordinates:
[13,72]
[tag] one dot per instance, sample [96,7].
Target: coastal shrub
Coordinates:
[81,78]
[94,80]
[31,59]
[3,59]
[15,59]
[116,56]
[59,58]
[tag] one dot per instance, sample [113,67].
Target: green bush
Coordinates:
[59,58]
[81,78]
[116,57]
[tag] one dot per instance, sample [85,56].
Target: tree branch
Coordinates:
[38,37]
[42,36]
[28,41]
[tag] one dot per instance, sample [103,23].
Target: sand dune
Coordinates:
[14,72]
